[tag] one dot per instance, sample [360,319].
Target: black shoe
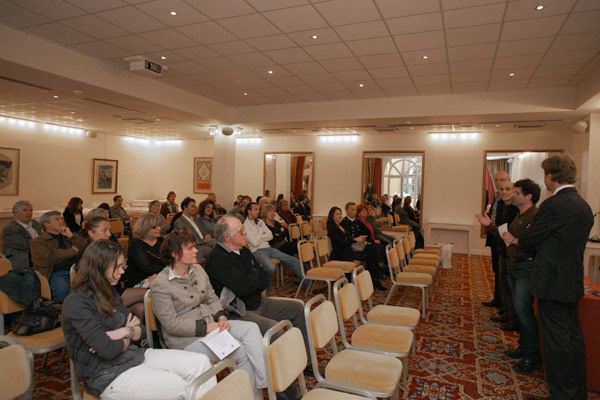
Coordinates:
[501,311]
[510,327]
[492,303]
[514,354]
[502,320]
[527,366]
[378,286]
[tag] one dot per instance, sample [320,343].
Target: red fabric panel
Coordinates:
[589,317]
[377,176]
[299,173]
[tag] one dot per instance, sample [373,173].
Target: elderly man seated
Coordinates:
[18,233]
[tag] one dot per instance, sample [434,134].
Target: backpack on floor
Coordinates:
[38,317]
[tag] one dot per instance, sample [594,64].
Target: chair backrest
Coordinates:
[73,273]
[294,232]
[149,319]
[406,246]
[329,243]
[170,217]
[411,240]
[324,224]
[236,385]
[285,358]
[133,221]
[322,249]
[363,282]
[393,262]
[346,299]
[306,251]
[298,219]
[16,369]
[305,227]
[317,227]
[5,266]
[322,322]
[401,254]
[116,226]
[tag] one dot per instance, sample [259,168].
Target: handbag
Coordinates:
[358,246]
[38,317]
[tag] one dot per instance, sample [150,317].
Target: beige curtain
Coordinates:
[368,172]
[293,167]
[494,166]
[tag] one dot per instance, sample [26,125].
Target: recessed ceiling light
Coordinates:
[163,57]
[173,13]
[270,72]
[361,85]
[497,126]
[540,7]
[411,128]
[511,74]
[55,96]
[314,36]
[425,57]
[245,94]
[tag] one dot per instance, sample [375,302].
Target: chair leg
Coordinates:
[299,288]
[390,294]
[414,347]
[404,370]
[423,302]
[328,291]
[44,361]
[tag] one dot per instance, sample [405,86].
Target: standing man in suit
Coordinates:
[560,229]
[189,222]
[18,233]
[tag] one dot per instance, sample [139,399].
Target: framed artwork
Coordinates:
[202,174]
[9,171]
[105,174]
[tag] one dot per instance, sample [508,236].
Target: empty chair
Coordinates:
[391,340]
[317,228]
[16,370]
[409,279]
[278,271]
[117,227]
[298,219]
[422,259]
[322,249]
[428,255]
[294,231]
[305,230]
[236,385]
[405,317]
[285,360]
[415,266]
[306,253]
[364,373]
[432,249]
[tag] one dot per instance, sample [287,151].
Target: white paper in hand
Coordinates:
[501,229]
[221,343]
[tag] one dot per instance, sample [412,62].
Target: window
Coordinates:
[402,176]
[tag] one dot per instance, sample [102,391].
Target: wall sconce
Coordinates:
[338,138]
[454,136]
[248,140]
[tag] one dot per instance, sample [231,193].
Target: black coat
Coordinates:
[560,229]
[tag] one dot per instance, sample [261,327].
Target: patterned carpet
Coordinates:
[459,350]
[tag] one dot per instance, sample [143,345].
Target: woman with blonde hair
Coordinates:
[143,256]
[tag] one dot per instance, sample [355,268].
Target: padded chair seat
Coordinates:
[369,371]
[325,273]
[41,342]
[347,266]
[426,269]
[392,315]
[428,251]
[87,396]
[327,394]
[388,338]
[400,228]
[275,261]
[427,256]
[123,240]
[415,278]
[424,261]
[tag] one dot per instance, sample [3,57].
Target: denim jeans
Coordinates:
[60,284]
[519,279]
[264,258]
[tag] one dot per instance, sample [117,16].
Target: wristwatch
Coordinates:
[131,333]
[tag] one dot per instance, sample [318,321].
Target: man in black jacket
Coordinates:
[560,229]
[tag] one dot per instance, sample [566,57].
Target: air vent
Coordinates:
[529,125]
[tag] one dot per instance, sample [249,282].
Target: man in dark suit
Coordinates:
[18,233]
[560,229]
[190,223]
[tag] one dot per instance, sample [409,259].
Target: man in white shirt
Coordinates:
[189,222]
[258,236]
[17,235]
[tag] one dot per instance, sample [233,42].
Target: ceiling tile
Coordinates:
[20,17]
[354,11]
[520,73]
[394,82]
[428,69]
[473,35]
[161,10]
[453,4]
[568,57]
[170,57]
[372,46]
[222,8]
[523,47]
[168,39]
[328,51]
[196,52]
[131,19]
[388,72]
[348,76]
[341,95]
[231,48]
[277,71]
[400,91]
[532,28]
[416,57]
[300,89]
[526,9]
[585,5]
[239,75]
[95,27]
[286,81]
[318,78]
[272,91]
[305,68]
[415,23]
[325,35]
[251,60]
[434,89]
[382,60]
[53,9]
[484,64]
[469,87]
[249,26]
[257,84]
[582,22]
[535,83]
[266,5]
[365,30]
[401,8]
[576,42]
[218,64]
[206,33]
[466,77]
[355,86]
[60,33]
[134,44]
[474,16]
[341,64]
[420,41]
[369,93]
[93,6]
[312,96]
[557,70]
[518,61]
[271,42]
[288,56]
[101,50]
[296,19]
[331,87]
[187,67]
[472,52]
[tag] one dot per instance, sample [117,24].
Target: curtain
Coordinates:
[293,166]
[489,186]
[377,176]
[297,182]
[368,171]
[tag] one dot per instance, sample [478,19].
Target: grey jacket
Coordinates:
[184,307]
[184,225]
[16,243]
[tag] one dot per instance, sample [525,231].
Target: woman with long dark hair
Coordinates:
[208,216]
[73,214]
[101,337]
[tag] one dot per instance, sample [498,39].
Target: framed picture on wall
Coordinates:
[202,174]
[105,174]
[9,171]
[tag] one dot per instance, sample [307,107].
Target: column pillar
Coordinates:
[592,190]
[224,169]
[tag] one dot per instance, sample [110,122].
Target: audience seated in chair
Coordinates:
[73,214]
[285,212]
[188,309]
[188,222]
[18,233]
[207,216]
[404,219]
[218,209]
[303,207]
[153,208]
[280,233]
[117,210]
[169,206]
[143,256]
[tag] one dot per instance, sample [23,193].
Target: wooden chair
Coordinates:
[322,248]
[150,322]
[278,271]
[5,266]
[75,388]
[420,259]
[299,219]
[424,266]
[16,370]
[294,231]
[170,217]
[306,253]
[368,374]
[317,228]
[285,360]
[305,230]
[390,340]
[117,227]
[405,317]
[236,385]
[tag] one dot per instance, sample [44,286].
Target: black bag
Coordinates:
[38,317]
